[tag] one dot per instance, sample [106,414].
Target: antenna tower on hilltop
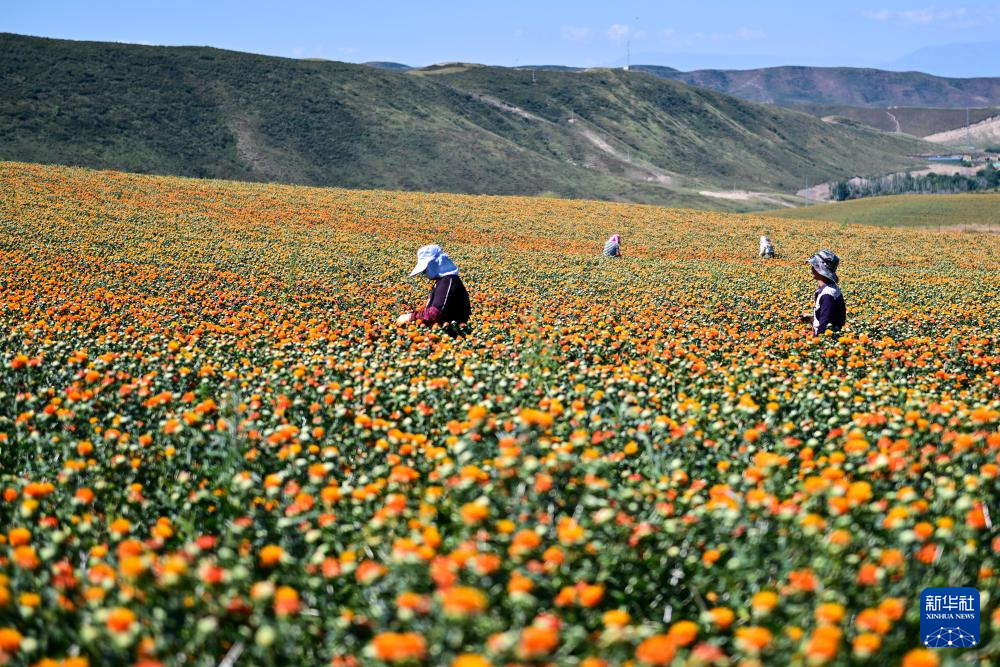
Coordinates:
[968,131]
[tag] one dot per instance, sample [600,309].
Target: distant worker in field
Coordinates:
[829,311]
[613,246]
[766,248]
[448,301]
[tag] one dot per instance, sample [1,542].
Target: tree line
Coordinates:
[987,178]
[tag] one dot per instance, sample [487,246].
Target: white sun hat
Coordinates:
[433,261]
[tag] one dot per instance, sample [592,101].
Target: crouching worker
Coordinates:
[613,246]
[829,311]
[766,248]
[448,302]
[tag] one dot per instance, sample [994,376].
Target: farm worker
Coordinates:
[448,302]
[613,246]
[766,247]
[829,311]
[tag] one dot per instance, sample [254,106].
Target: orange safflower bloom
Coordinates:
[18,537]
[824,643]
[271,555]
[893,608]
[569,531]
[120,526]
[26,558]
[722,616]
[763,602]
[803,580]
[399,646]
[866,644]
[683,632]
[413,601]
[286,601]
[524,541]
[616,618]
[519,583]
[868,574]
[591,594]
[10,640]
[474,512]
[920,657]
[656,650]
[120,620]
[471,660]
[873,620]
[462,600]
[753,639]
[538,641]
[830,613]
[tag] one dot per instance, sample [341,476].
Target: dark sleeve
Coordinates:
[825,314]
[434,312]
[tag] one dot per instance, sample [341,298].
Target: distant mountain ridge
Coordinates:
[454,127]
[391,66]
[841,86]
[795,85]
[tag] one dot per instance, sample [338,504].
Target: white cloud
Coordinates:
[919,16]
[746,34]
[619,32]
[679,40]
[880,15]
[572,33]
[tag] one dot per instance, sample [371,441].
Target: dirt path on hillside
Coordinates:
[819,192]
[652,173]
[509,108]
[746,195]
[895,122]
[984,132]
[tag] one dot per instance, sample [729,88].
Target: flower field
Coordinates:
[216,449]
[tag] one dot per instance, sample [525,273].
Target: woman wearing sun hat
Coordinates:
[766,248]
[613,246]
[829,311]
[448,302]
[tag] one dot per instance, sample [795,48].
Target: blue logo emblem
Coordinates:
[949,617]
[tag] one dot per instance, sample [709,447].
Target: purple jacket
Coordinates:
[449,302]
[830,311]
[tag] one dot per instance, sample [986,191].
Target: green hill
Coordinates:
[459,128]
[712,138]
[973,212]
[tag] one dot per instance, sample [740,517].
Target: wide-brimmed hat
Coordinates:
[433,261]
[825,263]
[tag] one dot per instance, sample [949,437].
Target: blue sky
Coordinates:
[682,34]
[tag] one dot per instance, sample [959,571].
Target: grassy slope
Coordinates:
[844,86]
[917,121]
[971,210]
[705,135]
[212,113]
